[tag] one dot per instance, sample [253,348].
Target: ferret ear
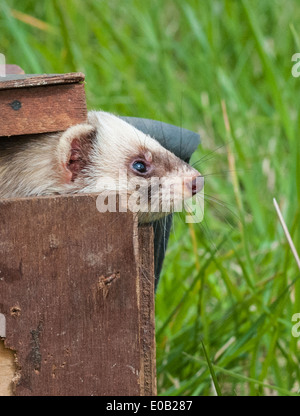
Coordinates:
[74,149]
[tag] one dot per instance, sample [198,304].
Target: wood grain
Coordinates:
[38,80]
[147,311]
[77,293]
[7,370]
[41,109]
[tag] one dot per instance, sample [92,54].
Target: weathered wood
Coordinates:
[77,293]
[147,311]
[37,80]
[7,370]
[41,104]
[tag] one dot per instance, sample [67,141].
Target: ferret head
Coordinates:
[109,155]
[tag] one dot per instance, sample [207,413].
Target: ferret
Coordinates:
[87,158]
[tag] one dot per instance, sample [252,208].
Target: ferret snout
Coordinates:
[195,185]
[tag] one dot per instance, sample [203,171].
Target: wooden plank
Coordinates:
[41,109]
[71,292]
[7,370]
[147,311]
[38,80]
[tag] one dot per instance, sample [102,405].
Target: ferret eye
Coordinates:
[139,166]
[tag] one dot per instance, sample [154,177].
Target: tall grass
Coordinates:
[229,286]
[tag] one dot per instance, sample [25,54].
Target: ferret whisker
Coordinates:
[164,225]
[163,135]
[164,222]
[173,228]
[223,216]
[180,142]
[144,275]
[180,217]
[225,171]
[140,139]
[203,160]
[204,227]
[212,152]
[220,201]
[212,200]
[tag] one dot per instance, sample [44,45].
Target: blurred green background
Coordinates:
[230,285]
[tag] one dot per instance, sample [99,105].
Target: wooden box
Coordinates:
[77,295]
[31,104]
[76,285]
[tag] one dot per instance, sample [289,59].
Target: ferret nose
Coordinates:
[196,184]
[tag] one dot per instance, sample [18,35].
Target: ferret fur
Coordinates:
[83,158]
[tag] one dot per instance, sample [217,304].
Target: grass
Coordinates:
[230,285]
